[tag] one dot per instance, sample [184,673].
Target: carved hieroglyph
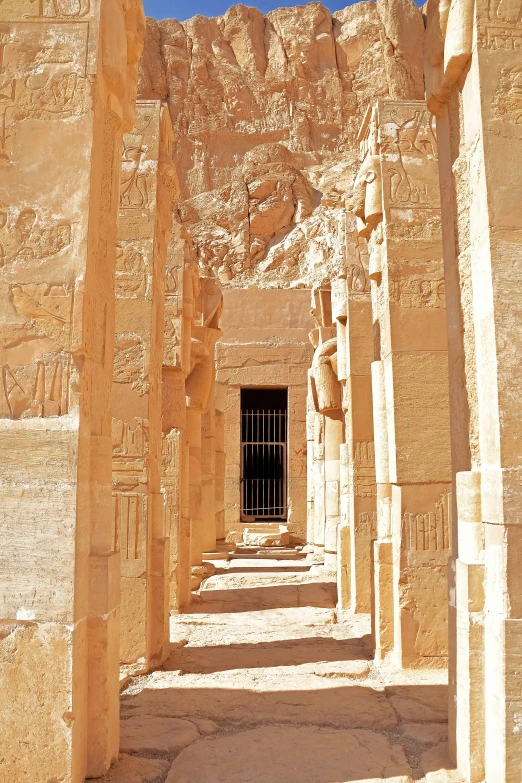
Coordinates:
[68,73]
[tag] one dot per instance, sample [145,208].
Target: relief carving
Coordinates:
[132,274]
[135,170]
[34,390]
[34,364]
[129,361]
[130,447]
[42,79]
[28,237]
[429,531]
[417,293]
[507,100]
[130,517]
[367,525]
[364,470]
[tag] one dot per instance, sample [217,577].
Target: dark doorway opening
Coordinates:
[264,433]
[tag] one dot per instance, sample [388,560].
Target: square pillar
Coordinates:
[68,93]
[148,180]
[396,201]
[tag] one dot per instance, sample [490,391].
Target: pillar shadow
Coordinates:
[287,652]
[251,599]
[328,734]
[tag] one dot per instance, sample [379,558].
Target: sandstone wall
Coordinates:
[265,343]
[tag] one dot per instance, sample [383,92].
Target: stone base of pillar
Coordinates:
[343,568]
[470,729]
[383,592]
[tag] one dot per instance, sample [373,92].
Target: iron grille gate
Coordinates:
[263,464]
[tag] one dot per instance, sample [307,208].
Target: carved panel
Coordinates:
[132,280]
[417,293]
[130,523]
[367,525]
[26,236]
[137,171]
[430,531]
[364,470]
[129,361]
[42,73]
[130,446]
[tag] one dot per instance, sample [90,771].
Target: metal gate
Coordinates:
[263,464]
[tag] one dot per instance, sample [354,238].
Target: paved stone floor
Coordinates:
[266,685]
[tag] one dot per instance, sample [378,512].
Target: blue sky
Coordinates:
[181,9]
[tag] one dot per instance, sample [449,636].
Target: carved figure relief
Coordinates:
[34,364]
[129,361]
[26,236]
[430,531]
[134,185]
[51,9]
[131,272]
[507,100]
[324,376]
[39,79]
[130,446]
[509,11]
[417,293]
[364,470]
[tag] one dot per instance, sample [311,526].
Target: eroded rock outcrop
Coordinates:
[266,111]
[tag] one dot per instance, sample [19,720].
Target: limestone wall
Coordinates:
[265,344]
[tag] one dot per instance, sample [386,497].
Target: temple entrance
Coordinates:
[264,428]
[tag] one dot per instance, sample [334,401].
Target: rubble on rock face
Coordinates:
[266,111]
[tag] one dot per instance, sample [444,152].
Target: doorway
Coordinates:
[264,432]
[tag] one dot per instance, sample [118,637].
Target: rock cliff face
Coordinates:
[266,111]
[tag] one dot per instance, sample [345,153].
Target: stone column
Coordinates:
[68,92]
[397,205]
[199,390]
[472,73]
[178,315]
[208,478]
[351,310]
[219,497]
[326,394]
[147,186]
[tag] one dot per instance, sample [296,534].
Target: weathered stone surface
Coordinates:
[133,769]
[311,754]
[264,164]
[159,735]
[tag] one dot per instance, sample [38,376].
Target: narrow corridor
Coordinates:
[265,684]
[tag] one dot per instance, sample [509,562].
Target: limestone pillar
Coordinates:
[178,314]
[472,72]
[219,484]
[396,201]
[208,478]
[148,184]
[68,91]
[351,311]
[199,389]
[325,392]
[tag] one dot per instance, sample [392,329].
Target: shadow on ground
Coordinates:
[287,652]
[251,599]
[310,735]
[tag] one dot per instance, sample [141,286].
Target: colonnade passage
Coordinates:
[260,437]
